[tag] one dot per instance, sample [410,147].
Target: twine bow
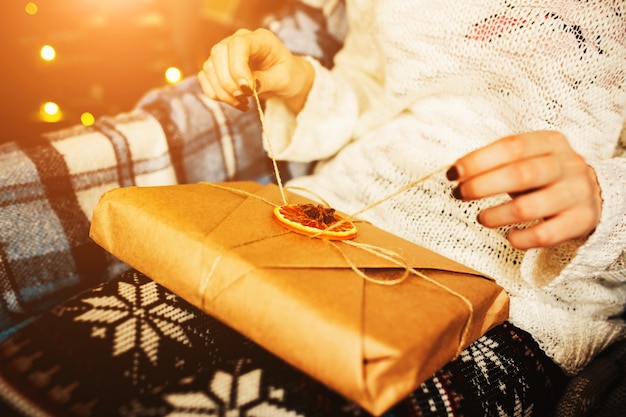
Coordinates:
[381,252]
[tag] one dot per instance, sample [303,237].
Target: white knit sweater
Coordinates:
[420,83]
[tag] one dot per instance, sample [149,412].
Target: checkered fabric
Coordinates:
[50,185]
[48,188]
[313,31]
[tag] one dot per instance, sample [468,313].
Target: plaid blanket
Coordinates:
[50,185]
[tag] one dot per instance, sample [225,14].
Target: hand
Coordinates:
[255,59]
[547,181]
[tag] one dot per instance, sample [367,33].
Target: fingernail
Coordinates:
[257,84]
[456,193]
[453,173]
[245,88]
[242,107]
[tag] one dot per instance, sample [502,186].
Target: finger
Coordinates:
[262,50]
[507,150]
[566,226]
[516,177]
[206,85]
[223,58]
[241,49]
[538,204]
[217,71]
[218,90]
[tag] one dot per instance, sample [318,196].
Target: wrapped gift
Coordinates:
[320,305]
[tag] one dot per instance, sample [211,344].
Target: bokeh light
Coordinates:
[101,57]
[87,119]
[173,75]
[48,53]
[31,8]
[50,112]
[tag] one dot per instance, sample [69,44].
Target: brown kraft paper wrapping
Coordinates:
[220,249]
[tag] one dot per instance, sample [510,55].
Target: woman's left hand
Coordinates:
[547,181]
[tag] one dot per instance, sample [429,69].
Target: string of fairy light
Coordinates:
[51,111]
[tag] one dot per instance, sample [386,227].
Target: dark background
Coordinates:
[108,53]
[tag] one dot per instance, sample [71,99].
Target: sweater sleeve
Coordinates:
[323,126]
[603,253]
[342,93]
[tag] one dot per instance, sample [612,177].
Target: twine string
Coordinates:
[380,252]
[268,145]
[206,279]
[401,262]
[270,151]
[401,190]
[383,253]
[306,190]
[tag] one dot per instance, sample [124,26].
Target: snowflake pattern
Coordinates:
[138,317]
[230,395]
[96,355]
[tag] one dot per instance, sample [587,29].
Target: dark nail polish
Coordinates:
[242,107]
[452,174]
[242,99]
[456,193]
[257,84]
[246,89]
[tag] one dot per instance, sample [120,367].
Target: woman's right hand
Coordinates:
[255,59]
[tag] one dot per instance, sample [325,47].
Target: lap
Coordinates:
[130,347]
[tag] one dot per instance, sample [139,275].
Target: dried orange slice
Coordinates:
[313,220]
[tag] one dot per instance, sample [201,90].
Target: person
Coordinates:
[516,107]
[520,106]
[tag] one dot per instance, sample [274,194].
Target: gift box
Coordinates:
[321,305]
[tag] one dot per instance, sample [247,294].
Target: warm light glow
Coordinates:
[50,107]
[48,53]
[31,8]
[87,119]
[50,112]
[173,75]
